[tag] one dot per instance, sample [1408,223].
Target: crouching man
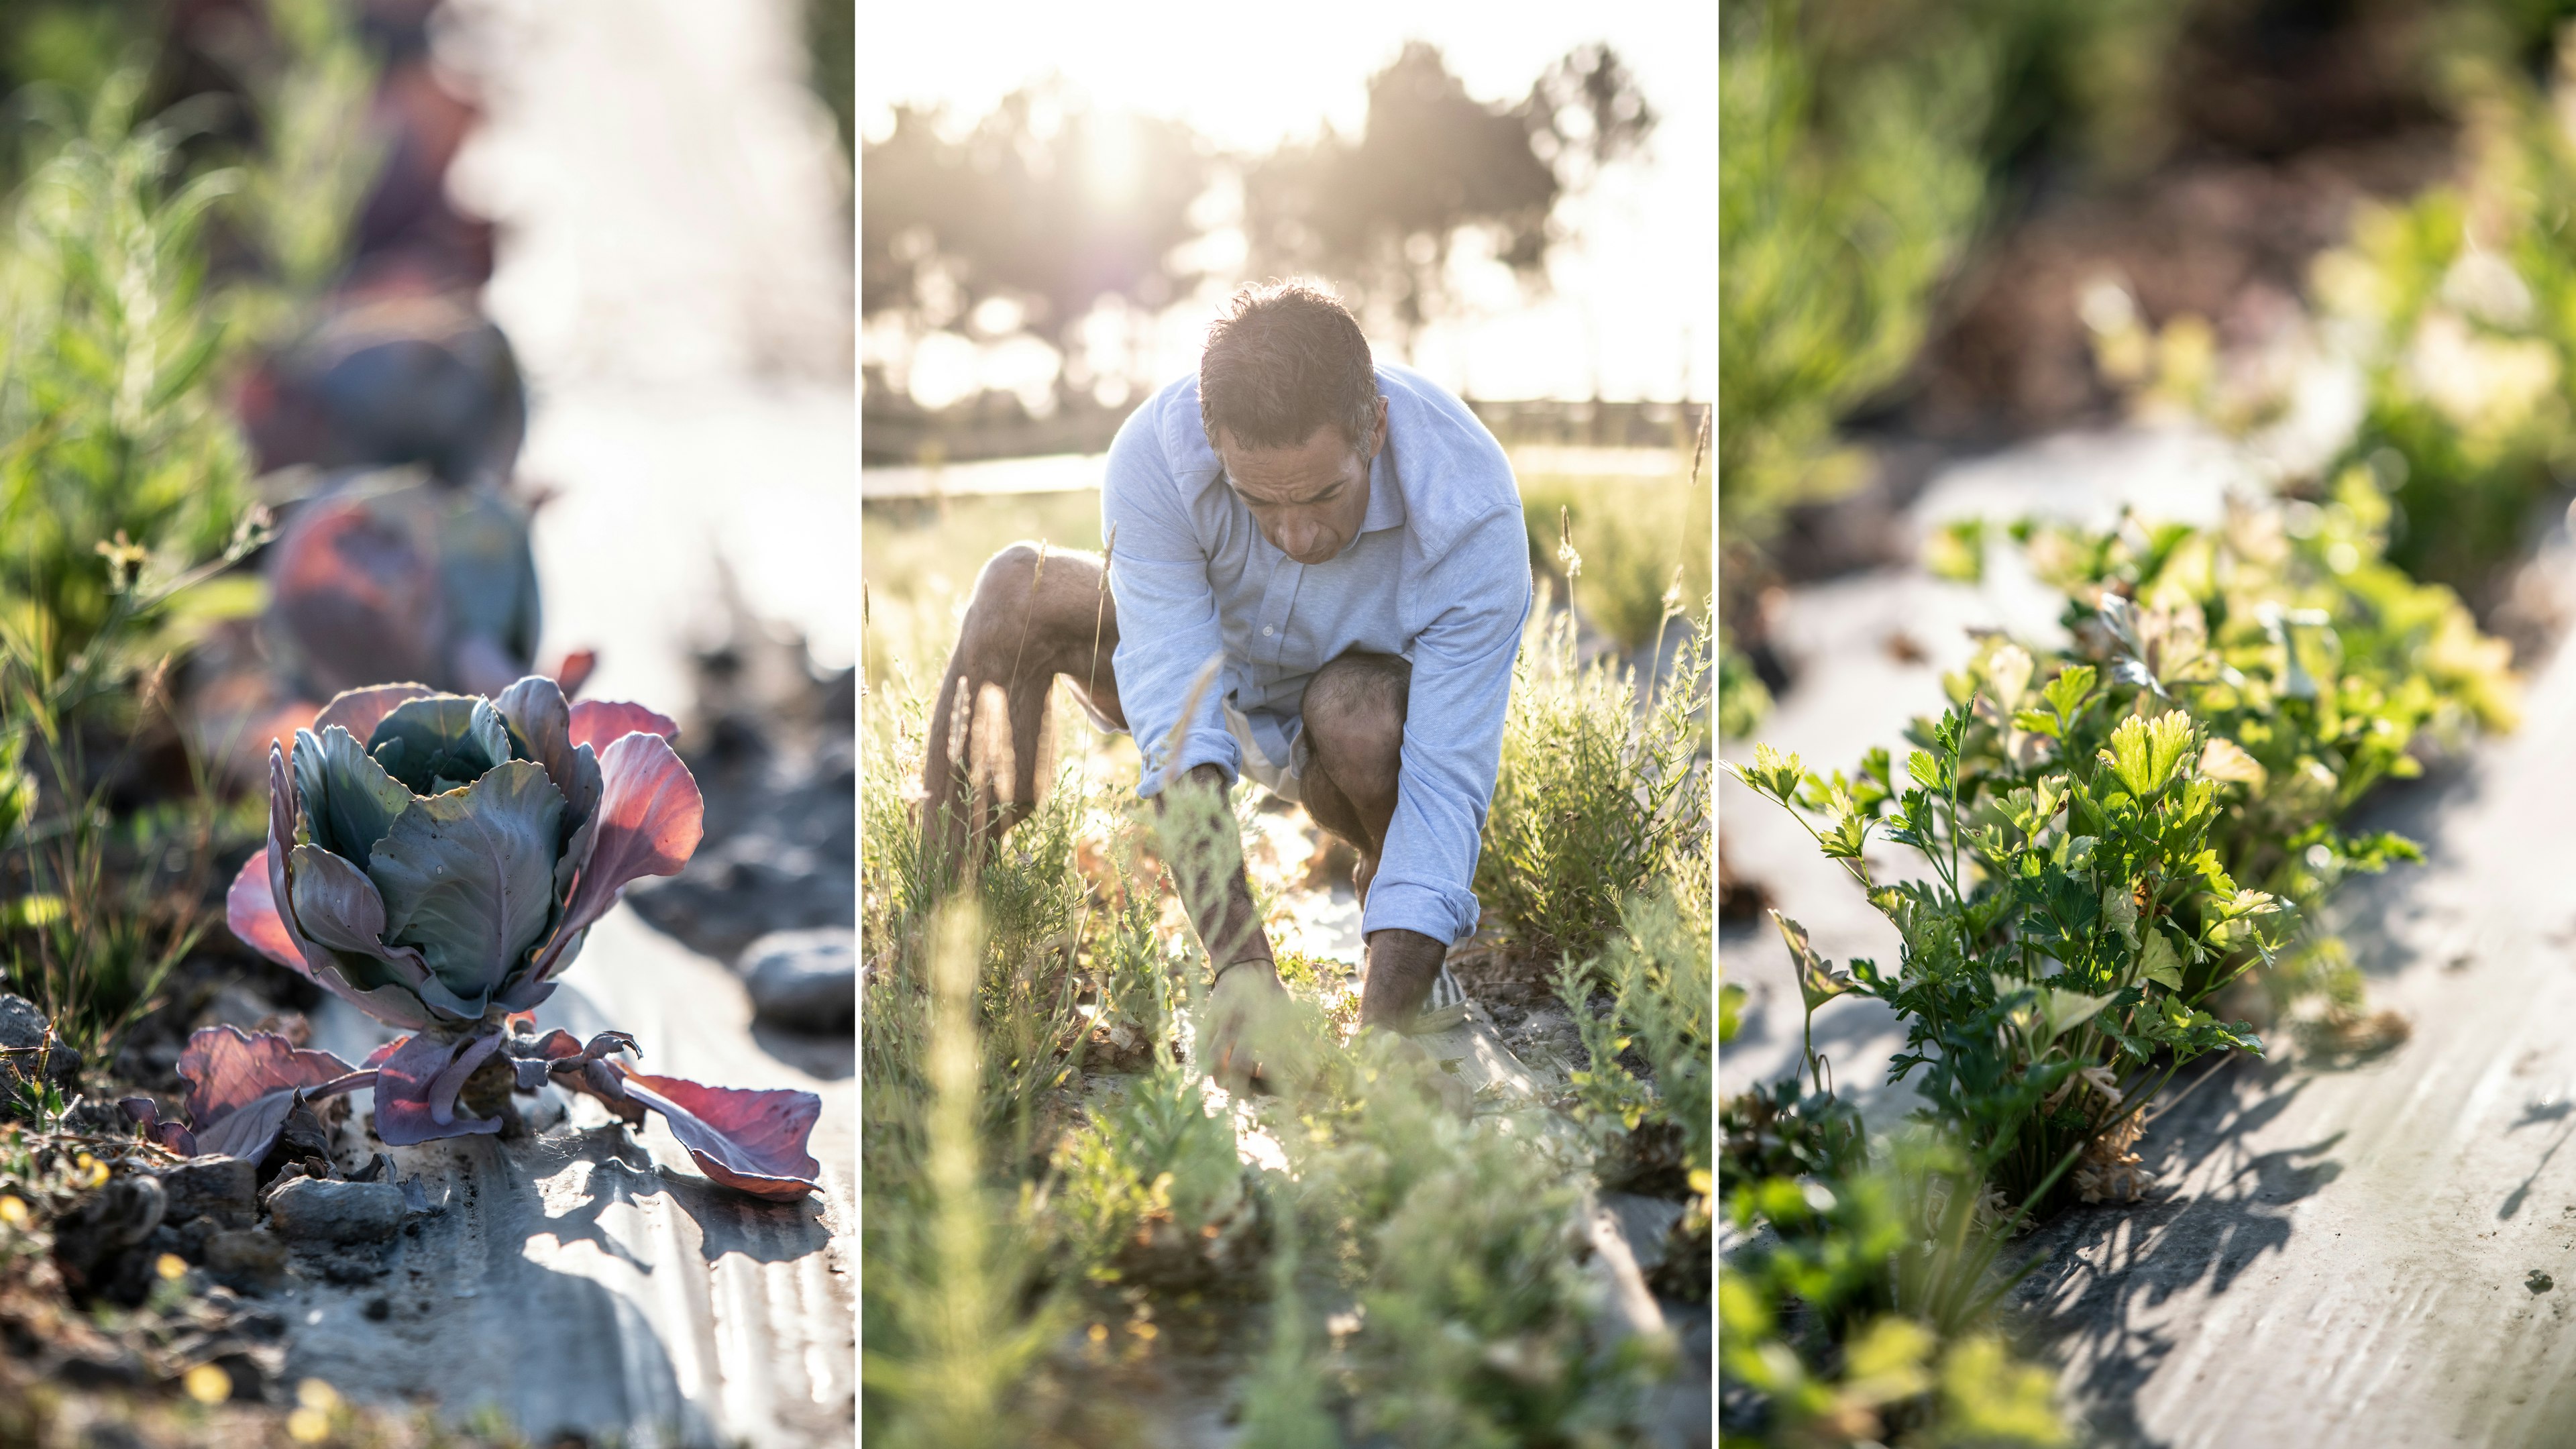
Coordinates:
[1341,540]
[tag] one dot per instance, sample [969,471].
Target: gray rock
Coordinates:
[223,1188]
[804,980]
[22,1055]
[311,1209]
[246,1255]
[21,1024]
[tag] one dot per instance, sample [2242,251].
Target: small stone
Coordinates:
[2539,1282]
[87,1118]
[253,1254]
[804,981]
[312,1210]
[223,1188]
[90,1239]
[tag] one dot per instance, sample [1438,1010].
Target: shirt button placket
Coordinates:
[1274,611]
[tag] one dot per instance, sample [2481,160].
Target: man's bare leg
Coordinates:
[1037,613]
[1354,713]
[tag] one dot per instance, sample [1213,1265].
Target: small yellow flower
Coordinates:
[1100,1333]
[1700,1182]
[171,1267]
[308,1426]
[208,1384]
[88,1171]
[318,1396]
[13,1212]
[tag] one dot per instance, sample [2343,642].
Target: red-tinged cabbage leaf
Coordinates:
[359,711]
[750,1141]
[242,1084]
[599,723]
[649,821]
[171,1133]
[416,1087]
[252,915]
[578,1067]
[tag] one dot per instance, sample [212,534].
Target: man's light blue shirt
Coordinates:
[1438,574]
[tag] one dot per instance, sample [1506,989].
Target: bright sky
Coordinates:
[1634,303]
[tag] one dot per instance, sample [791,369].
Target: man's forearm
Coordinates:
[1214,889]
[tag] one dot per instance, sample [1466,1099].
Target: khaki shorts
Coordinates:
[1280,778]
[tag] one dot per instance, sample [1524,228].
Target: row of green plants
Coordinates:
[1358,1257]
[1847,186]
[2453,306]
[1868,143]
[2115,851]
[2119,849]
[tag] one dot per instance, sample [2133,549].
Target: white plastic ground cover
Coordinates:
[2382,1254]
[2339,1254]
[588,1278]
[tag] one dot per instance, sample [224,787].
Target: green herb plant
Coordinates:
[1655,977]
[2318,668]
[2071,924]
[1862,1304]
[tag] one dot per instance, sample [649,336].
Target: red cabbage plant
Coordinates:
[435,860]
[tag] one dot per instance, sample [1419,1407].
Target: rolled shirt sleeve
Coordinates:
[1476,598]
[1168,628]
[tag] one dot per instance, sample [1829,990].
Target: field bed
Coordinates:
[673,1312]
[2342,1246]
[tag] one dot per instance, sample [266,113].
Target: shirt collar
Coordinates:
[1386,493]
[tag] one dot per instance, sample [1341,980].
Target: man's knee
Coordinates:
[1354,718]
[1009,580]
[1029,585]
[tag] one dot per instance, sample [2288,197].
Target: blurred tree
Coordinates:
[1380,214]
[1046,206]
[1052,207]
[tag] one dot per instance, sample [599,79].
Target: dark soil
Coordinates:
[772,743]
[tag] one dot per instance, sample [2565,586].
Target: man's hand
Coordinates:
[1394,1051]
[1249,1046]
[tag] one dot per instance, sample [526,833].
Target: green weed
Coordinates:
[1657,972]
[1643,543]
[1596,798]
[120,500]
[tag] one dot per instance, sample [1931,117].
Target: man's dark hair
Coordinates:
[1285,359]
